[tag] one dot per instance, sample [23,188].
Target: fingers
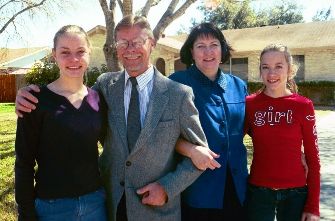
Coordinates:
[215,164]
[153,194]
[34,87]
[24,98]
[143,189]
[215,155]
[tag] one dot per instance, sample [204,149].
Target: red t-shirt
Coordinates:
[279,127]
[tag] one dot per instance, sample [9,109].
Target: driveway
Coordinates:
[325,122]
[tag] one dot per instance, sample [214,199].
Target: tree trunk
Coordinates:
[109,49]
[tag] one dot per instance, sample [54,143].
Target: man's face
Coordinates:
[133,48]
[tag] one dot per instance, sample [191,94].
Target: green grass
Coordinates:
[7,158]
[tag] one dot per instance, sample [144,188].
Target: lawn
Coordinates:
[7,139]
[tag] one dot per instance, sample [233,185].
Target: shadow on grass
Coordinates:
[7,191]
[8,154]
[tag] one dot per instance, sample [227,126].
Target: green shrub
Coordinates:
[93,73]
[46,71]
[43,72]
[320,92]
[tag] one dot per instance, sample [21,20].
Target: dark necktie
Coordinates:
[134,117]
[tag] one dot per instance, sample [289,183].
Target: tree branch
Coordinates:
[20,12]
[169,16]
[104,7]
[127,7]
[121,6]
[2,6]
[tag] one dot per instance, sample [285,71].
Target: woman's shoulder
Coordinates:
[180,75]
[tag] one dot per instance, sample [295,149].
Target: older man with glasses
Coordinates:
[147,113]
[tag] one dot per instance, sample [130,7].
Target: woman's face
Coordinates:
[72,55]
[274,72]
[206,53]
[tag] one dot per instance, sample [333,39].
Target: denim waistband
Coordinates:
[277,189]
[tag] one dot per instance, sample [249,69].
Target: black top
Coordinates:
[63,142]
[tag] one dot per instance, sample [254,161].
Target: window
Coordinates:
[300,61]
[239,67]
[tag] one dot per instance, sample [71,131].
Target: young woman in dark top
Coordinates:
[61,136]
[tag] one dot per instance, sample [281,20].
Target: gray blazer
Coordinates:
[171,113]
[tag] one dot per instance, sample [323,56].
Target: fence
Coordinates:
[7,87]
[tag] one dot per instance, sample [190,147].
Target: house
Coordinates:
[312,46]
[19,61]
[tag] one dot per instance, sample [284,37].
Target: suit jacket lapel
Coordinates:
[117,98]
[157,105]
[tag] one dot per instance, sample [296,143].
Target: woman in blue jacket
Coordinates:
[219,193]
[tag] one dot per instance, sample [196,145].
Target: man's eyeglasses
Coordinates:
[136,43]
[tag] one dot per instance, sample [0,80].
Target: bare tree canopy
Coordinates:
[12,10]
[126,6]
[323,15]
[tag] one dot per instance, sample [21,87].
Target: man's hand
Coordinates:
[309,217]
[203,158]
[153,194]
[25,101]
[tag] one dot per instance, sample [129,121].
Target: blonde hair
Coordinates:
[70,29]
[293,67]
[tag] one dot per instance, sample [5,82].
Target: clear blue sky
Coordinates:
[40,31]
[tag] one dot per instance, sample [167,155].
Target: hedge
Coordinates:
[320,92]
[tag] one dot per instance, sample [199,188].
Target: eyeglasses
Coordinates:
[136,43]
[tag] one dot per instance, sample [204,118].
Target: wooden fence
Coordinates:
[7,87]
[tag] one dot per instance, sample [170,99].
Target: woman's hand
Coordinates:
[309,217]
[203,158]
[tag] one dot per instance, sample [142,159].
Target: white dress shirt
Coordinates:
[144,87]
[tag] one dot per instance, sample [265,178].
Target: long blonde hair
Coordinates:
[293,67]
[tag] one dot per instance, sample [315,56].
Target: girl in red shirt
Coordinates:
[281,123]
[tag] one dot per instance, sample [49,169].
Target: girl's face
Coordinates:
[274,71]
[206,53]
[72,55]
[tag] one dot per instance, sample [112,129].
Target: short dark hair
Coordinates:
[204,29]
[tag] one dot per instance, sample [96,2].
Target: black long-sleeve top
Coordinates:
[62,140]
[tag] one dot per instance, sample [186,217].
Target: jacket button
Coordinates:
[128,163]
[122,183]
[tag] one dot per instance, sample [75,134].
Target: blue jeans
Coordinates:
[263,204]
[83,208]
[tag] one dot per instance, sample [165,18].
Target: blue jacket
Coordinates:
[221,106]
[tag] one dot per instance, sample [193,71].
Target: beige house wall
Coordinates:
[97,55]
[168,56]
[320,65]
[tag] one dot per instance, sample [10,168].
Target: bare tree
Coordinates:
[11,10]
[126,6]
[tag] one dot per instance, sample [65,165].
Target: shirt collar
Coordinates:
[142,79]
[221,79]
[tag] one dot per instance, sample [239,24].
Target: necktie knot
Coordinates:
[133,81]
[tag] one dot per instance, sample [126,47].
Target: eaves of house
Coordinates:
[26,60]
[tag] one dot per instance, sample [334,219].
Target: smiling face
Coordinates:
[274,70]
[206,53]
[71,53]
[135,57]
